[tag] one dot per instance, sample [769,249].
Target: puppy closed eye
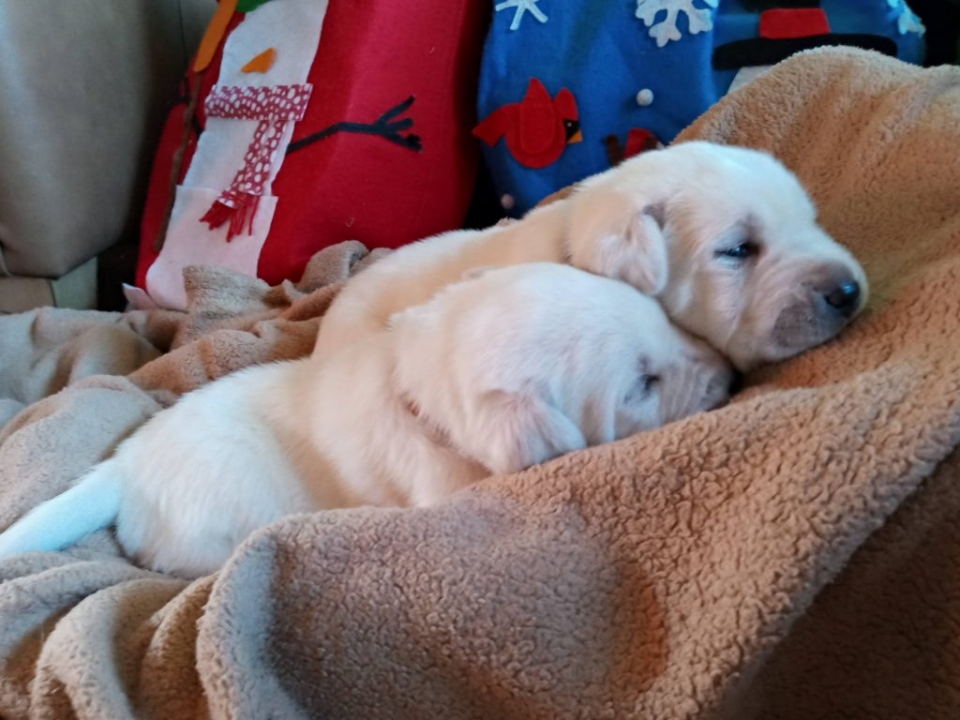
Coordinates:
[740,252]
[643,388]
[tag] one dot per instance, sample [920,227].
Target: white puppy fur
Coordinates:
[501,371]
[725,238]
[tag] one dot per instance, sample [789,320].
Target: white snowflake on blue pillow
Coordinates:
[665,30]
[907,22]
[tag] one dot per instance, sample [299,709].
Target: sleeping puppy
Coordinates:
[724,237]
[504,370]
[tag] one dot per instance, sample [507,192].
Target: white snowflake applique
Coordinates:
[522,7]
[907,22]
[698,19]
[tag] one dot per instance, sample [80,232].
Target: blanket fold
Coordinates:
[795,554]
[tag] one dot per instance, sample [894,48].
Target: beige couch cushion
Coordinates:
[83,86]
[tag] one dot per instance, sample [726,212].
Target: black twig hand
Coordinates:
[384,126]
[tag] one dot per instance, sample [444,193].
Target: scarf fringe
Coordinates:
[237,208]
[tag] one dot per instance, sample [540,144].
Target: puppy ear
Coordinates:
[517,430]
[611,235]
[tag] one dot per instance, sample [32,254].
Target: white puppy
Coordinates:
[499,372]
[725,237]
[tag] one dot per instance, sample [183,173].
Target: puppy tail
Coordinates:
[93,503]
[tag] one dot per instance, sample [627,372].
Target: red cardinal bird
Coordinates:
[537,128]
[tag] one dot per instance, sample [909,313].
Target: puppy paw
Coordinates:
[519,430]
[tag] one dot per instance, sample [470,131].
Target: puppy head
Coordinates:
[746,265]
[524,363]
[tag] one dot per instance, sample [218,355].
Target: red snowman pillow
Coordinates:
[303,123]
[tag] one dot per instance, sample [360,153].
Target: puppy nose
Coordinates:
[736,383]
[844,298]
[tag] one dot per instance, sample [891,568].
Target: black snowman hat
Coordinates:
[787,27]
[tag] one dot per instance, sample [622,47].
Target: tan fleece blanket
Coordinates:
[793,555]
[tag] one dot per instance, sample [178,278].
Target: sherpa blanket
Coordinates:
[795,554]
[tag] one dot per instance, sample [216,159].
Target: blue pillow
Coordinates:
[568,88]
